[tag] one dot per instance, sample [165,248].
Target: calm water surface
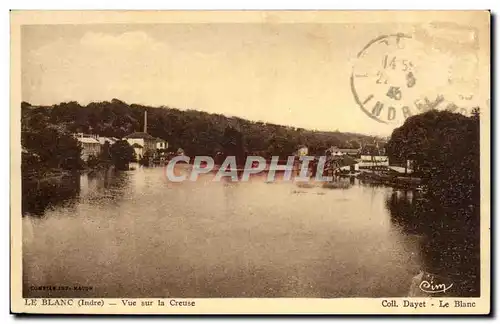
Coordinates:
[134,234]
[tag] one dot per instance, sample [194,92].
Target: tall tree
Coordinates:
[54,149]
[445,149]
[121,154]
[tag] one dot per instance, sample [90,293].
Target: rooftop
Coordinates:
[343,150]
[399,169]
[140,135]
[110,140]
[87,140]
[348,150]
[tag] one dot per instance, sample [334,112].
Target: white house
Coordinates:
[142,142]
[146,141]
[375,158]
[161,144]
[302,151]
[90,145]
[371,156]
[335,151]
[352,168]
[110,140]
[138,150]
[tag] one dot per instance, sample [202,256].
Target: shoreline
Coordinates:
[58,174]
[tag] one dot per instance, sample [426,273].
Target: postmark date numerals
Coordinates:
[392,62]
[381,78]
[394,93]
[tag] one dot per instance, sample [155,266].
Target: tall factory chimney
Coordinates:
[145,121]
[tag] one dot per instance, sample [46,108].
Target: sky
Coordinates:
[289,74]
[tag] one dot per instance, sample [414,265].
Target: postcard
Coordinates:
[250,162]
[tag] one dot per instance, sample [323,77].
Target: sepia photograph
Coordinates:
[175,157]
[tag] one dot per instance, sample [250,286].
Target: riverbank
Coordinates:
[55,174]
[47,175]
[43,188]
[396,181]
[46,188]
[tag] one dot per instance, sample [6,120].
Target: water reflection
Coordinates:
[135,234]
[99,186]
[449,244]
[104,185]
[41,194]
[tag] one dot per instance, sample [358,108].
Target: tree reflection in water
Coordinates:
[40,194]
[450,244]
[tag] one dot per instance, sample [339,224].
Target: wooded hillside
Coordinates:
[198,133]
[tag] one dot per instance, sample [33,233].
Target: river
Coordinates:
[135,234]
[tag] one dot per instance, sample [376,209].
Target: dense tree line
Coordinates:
[195,132]
[444,148]
[49,148]
[446,153]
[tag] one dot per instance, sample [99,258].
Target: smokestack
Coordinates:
[145,121]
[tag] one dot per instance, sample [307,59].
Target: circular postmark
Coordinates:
[396,76]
